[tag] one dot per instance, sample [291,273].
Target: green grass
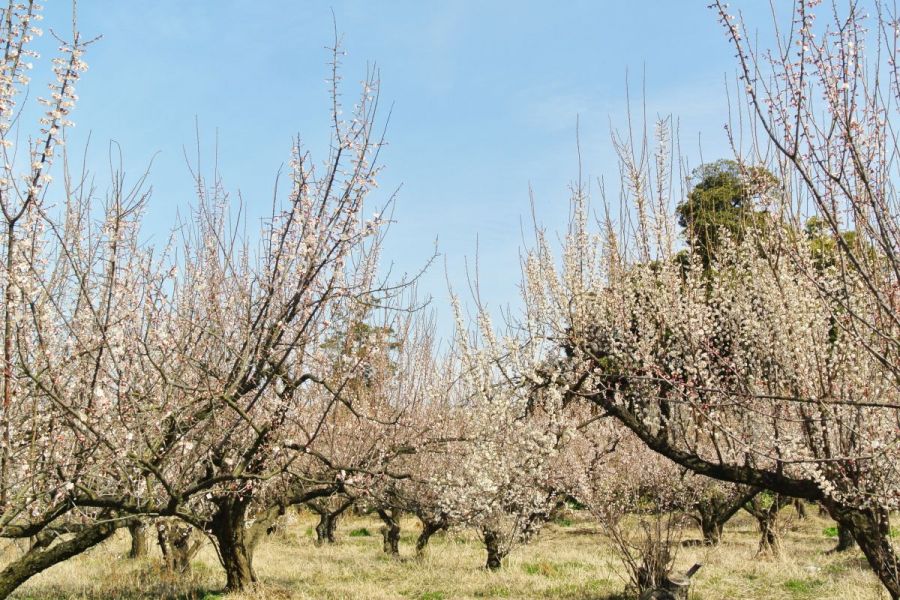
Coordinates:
[832,532]
[801,588]
[360,532]
[543,568]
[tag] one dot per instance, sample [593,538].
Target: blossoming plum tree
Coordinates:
[45,447]
[742,370]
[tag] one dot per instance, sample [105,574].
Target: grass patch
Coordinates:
[543,568]
[360,532]
[802,587]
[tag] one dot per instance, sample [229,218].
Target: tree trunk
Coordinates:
[495,551]
[769,542]
[325,529]
[711,528]
[33,562]
[845,539]
[429,528]
[175,544]
[328,521]
[767,521]
[138,531]
[871,530]
[390,531]
[712,513]
[800,506]
[163,534]
[228,528]
[332,528]
[181,549]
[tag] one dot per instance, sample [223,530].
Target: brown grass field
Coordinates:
[569,560]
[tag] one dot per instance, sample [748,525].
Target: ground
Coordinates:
[569,560]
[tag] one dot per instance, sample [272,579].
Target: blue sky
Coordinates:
[485,98]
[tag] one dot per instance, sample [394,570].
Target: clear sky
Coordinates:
[485,97]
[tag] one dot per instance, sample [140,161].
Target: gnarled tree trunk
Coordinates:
[800,508]
[176,545]
[138,531]
[328,520]
[713,512]
[429,528]
[228,528]
[38,559]
[325,528]
[390,531]
[845,540]
[871,529]
[496,552]
[766,516]
[711,528]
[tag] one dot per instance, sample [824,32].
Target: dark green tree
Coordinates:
[725,200]
[824,244]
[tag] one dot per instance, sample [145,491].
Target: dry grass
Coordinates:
[568,561]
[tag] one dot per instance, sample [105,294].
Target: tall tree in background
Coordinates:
[727,199]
